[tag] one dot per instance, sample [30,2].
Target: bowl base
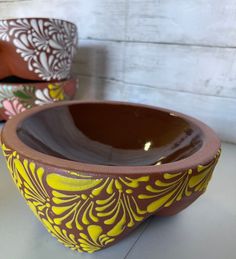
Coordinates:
[178,206]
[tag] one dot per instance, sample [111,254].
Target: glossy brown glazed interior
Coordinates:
[111,134]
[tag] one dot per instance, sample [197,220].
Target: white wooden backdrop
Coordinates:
[179,54]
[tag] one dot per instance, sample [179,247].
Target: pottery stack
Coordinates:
[36,57]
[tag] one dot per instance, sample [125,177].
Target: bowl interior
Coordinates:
[111,134]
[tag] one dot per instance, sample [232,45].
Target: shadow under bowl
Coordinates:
[93,171]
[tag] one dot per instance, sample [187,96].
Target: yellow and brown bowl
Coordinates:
[93,171]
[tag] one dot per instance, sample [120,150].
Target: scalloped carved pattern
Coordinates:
[48,46]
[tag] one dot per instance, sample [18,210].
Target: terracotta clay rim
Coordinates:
[38,18]
[211,144]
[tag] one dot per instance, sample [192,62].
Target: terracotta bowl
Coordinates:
[93,171]
[18,97]
[37,48]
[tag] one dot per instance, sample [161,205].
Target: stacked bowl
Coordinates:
[36,58]
[91,171]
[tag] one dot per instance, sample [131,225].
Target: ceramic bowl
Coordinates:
[93,171]
[18,97]
[37,48]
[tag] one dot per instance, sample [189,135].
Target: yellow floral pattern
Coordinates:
[56,91]
[87,213]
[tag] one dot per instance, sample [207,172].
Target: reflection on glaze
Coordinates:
[110,134]
[147,146]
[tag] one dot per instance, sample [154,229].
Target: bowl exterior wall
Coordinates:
[88,212]
[37,48]
[16,98]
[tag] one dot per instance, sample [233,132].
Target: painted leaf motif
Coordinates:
[56,91]
[22,95]
[87,213]
[62,183]
[7,92]
[4,29]
[47,46]
[26,95]
[42,97]
[12,107]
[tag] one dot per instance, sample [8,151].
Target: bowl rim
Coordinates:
[208,150]
[37,18]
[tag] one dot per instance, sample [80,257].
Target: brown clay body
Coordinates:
[93,171]
[37,48]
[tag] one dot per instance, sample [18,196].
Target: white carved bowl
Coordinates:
[37,48]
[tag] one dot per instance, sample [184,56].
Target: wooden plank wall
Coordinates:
[175,54]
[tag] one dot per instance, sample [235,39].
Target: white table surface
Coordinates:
[207,229]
